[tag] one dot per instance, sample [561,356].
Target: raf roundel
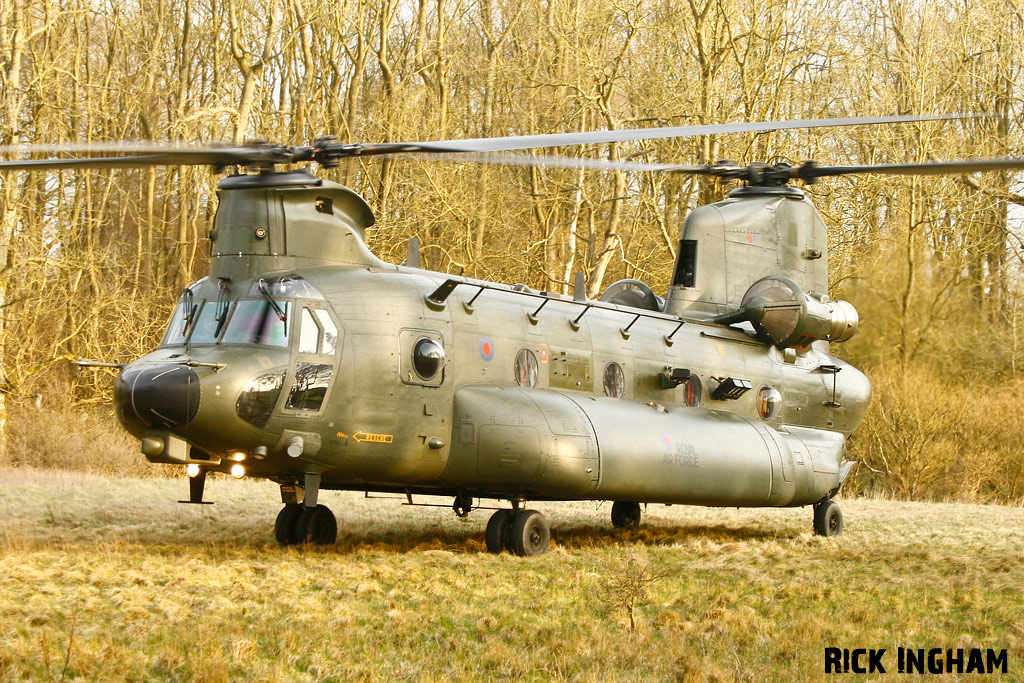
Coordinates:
[486,349]
[666,441]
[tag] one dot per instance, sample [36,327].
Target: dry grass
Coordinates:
[85,438]
[110,579]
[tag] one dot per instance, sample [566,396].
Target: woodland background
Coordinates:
[92,261]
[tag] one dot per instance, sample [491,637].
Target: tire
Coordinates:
[529,534]
[317,526]
[828,519]
[286,529]
[625,515]
[497,531]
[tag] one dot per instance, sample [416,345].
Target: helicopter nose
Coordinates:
[163,395]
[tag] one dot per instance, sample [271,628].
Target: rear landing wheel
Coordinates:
[529,534]
[317,526]
[286,527]
[625,515]
[828,519]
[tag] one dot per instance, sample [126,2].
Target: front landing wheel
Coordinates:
[828,519]
[286,526]
[317,526]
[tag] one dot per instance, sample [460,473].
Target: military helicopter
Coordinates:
[304,359]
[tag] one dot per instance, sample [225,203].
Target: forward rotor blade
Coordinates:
[148,154]
[116,147]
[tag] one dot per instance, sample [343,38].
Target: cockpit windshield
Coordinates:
[248,322]
[256,322]
[210,322]
[262,318]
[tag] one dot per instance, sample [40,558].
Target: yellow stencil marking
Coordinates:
[373,438]
[342,435]
[720,349]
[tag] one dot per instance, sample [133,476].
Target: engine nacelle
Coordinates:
[784,314]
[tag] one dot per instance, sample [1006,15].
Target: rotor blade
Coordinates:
[811,170]
[104,162]
[511,143]
[148,154]
[546,161]
[114,146]
[328,152]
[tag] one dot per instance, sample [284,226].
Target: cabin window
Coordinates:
[527,369]
[427,358]
[256,322]
[309,387]
[694,392]
[614,380]
[422,357]
[768,401]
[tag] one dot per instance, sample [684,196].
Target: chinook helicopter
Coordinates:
[304,359]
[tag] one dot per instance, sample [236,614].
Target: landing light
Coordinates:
[237,456]
[192,470]
[237,471]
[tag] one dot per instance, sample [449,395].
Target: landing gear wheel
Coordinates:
[828,519]
[625,515]
[497,531]
[529,534]
[286,527]
[317,526]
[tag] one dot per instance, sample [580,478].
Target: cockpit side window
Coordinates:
[256,322]
[175,335]
[330,332]
[309,386]
[309,333]
[317,332]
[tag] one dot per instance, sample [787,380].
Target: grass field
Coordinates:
[111,579]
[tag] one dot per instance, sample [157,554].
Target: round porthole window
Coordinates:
[526,368]
[614,380]
[768,400]
[427,358]
[694,391]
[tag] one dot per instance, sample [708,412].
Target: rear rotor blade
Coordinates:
[810,170]
[547,161]
[484,149]
[521,142]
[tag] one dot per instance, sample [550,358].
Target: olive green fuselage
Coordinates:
[474,429]
[534,396]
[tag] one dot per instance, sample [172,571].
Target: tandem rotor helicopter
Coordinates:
[304,359]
